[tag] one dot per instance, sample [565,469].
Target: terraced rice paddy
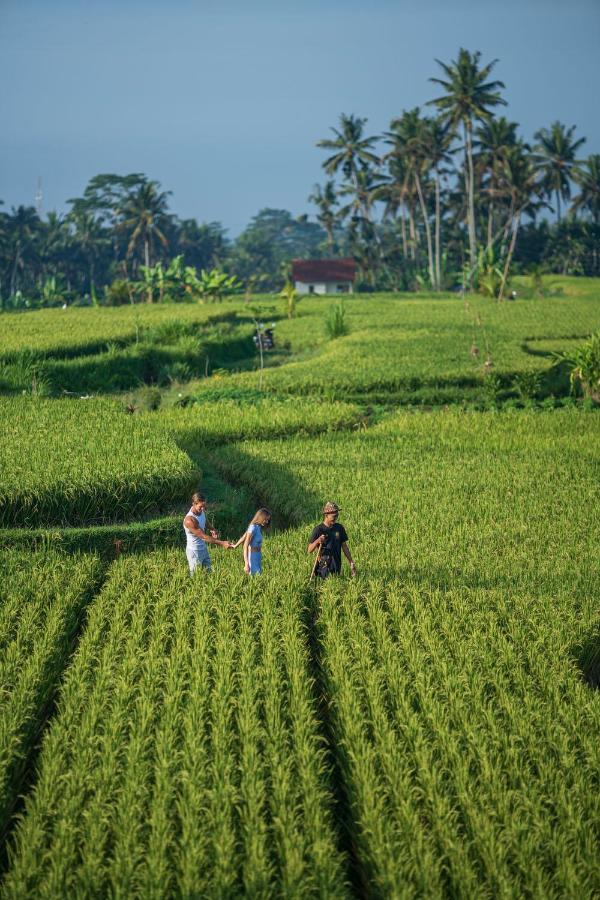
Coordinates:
[430,728]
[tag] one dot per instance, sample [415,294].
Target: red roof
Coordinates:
[311,270]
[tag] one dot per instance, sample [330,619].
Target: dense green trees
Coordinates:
[449,216]
[425,204]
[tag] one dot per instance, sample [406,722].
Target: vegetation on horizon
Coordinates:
[410,215]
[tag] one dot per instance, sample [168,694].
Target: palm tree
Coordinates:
[521,185]
[438,139]
[396,192]
[411,138]
[555,155]
[492,138]
[352,151]
[90,237]
[587,177]
[468,98]
[325,199]
[22,229]
[144,216]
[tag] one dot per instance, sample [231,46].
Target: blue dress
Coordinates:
[255,555]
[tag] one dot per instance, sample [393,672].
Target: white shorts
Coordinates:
[196,557]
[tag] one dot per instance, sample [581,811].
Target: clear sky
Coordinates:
[222,101]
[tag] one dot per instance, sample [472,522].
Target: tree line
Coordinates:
[453,194]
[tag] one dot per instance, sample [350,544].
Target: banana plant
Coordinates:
[215,285]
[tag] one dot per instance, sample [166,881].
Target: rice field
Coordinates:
[84,462]
[430,728]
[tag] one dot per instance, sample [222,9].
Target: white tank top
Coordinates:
[193,542]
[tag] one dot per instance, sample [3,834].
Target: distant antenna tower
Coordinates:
[39,197]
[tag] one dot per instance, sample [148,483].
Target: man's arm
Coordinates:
[314,544]
[189,523]
[348,556]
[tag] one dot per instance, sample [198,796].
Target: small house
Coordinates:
[323,276]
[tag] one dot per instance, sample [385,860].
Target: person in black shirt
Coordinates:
[329,538]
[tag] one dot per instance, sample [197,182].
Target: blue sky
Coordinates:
[223,102]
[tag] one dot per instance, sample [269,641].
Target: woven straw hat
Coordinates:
[330,508]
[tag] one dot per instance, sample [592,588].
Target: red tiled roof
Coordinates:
[310,270]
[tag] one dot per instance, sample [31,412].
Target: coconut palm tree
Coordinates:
[411,136]
[352,151]
[438,139]
[492,139]
[325,199]
[587,177]
[396,192]
[468,97]
[144,217]
[521,185]
[556,152]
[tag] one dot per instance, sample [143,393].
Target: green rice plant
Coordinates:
[42,598]
[85,461]
[207,424]
[458,716]
[185,755]
[527,384]
[336,324]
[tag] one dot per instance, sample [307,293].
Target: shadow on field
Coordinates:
[342,817]
[20,779]
[587,658]
[269,484]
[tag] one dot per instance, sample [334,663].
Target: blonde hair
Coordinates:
[260,515]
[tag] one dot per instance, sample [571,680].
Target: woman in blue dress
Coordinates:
[253,539]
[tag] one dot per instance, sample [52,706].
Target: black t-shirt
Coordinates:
[332,548]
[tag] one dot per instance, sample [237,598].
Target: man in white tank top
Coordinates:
[194,525]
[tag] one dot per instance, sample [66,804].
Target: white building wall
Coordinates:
[320,287]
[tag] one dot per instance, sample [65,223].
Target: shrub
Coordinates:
[335,321]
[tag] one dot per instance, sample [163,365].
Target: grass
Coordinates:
[85,462]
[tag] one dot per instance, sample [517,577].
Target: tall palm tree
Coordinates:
[468,97]
[410,137]
[144,217]
[362,194]
[587,177]
[325,199]
[521,185]
[438,138]
[352,151]
[556,157]
[396,192]
[492,140]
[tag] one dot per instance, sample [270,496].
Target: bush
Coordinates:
[335,321]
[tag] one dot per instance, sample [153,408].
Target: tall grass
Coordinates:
[42,598]
[85,461]
[185,758]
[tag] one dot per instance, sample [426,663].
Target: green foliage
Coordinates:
[536,282]
[290,298]
[119,293]
[186,747]
[584,364]
[206,423]
[215,285]
[527,384]
[85,461]
[42,597]
[489,272]
[336,324]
